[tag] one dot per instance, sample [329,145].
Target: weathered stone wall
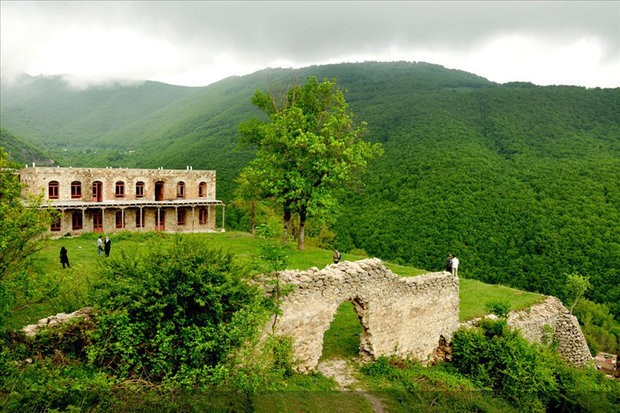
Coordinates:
[565,328]
[548,320]
[402,316]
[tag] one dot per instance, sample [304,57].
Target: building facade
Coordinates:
[110,200]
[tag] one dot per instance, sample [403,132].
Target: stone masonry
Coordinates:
[402,316]
[565,327]
[120,199]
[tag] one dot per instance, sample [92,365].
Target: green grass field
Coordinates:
[82,252]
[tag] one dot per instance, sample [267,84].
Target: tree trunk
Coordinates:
[252,217]
[287,222]
[302,226]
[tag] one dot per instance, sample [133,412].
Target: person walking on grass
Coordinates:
[107,245]
[99,246]
[63,257]
[455,266]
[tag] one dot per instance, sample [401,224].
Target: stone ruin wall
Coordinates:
[402,316]
[572,344]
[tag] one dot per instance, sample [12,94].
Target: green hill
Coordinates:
[519,181]
[21,152]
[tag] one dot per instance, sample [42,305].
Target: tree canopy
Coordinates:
[308,148]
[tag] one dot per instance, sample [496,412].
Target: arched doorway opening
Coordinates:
[347,336]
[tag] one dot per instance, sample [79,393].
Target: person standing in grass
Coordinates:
[455,266]
[449,263]
[63,257]
[107,246]
[99,246]
[337,256]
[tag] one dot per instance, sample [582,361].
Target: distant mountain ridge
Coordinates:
[520,181]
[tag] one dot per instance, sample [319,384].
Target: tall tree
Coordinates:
[21,227]
[249,195]
[307,148]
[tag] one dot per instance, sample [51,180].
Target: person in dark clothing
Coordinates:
[337,256]
[107,245]
[63,257]
[449,263]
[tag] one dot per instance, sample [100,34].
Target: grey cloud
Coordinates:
[257,32]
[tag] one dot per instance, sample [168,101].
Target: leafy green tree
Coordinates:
[307,149]
[576,286]
[21,228]
[249,194]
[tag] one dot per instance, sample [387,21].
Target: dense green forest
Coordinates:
[519,181]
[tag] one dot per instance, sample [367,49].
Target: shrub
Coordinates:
[531,376]
[500,308]
[174,313]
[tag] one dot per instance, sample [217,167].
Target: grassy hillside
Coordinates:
[519,181]
[73,283]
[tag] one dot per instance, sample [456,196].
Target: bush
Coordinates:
[500,308]
[174,313]
[529,375]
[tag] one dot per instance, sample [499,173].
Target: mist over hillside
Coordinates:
[519,181]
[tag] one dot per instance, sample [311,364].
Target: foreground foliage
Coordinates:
[21,231]
[173,313]
[529,376]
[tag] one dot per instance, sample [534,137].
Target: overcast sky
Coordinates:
[197,43]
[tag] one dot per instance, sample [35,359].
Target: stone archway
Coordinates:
[403,316]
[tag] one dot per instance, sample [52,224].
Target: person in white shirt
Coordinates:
[455,266]
[99,245]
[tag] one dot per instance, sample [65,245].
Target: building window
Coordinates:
[56,224]
[76,190]
[120,189]
[139,219]
[120,221]
[53,191]
[139,189]
[181,217]
[181,190]
[76,220]
[202,190]
[203,216]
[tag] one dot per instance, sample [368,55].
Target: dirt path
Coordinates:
[343,372]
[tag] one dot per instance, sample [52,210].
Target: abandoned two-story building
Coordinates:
[110,200]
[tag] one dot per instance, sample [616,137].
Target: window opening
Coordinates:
[53,190]
[76,190]
[76,221]
[203,216]
[139,219]
[181,217]
[120,189]
[120,222]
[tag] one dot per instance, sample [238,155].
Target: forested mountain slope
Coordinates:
[21,152]
[520,181]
